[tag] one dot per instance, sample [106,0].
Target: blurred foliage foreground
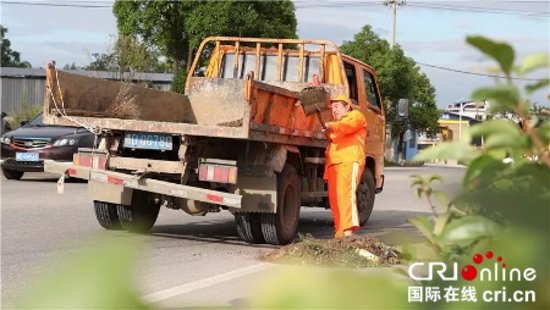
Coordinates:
[503,209]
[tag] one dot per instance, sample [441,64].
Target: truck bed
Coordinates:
[213,107]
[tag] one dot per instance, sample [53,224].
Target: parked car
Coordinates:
[25,148]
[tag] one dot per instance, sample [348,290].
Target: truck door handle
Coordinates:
[368,133]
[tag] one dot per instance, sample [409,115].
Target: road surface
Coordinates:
[188,261]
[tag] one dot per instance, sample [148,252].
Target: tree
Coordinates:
[267,19]
[175,28]
[398,77]
[72,66]
[129,54]
[9,57]
[159,23]
[102,62]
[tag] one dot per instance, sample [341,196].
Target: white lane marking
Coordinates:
[206,282]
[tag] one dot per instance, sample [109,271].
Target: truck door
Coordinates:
[375,117]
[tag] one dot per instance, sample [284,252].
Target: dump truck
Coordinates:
[236,140]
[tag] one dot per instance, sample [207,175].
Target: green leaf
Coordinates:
[440,223]
[408,254]
[532,62]
[435,177]
[402,272]
[468,229]
[543,132]
[417,177]
[99,277]
[425,227]
[452,150]
[443,201]
[531,88]
[492,127]
[483,164]
[501,52]
[499,154]
[502,141]
[505,96]
[417,182]
[418,192]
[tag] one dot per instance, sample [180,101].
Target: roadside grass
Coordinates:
[334,253]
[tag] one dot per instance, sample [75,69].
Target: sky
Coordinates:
[431,32]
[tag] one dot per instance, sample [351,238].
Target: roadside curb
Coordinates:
[455,166]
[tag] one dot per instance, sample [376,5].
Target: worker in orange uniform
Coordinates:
[345,157]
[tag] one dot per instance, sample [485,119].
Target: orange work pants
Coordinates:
[343,180]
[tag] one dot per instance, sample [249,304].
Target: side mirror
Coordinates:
[23,123]
[403,108]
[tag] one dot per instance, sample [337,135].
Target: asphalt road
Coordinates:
[186,261]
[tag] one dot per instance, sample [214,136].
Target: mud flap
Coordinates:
[259,193]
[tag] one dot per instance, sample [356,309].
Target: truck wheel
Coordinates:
[280,228]
[249,227]
[141,215]
[12,174]
[365,196]
[106,215]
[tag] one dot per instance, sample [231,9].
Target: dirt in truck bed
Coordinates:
[89,97]
[333,252]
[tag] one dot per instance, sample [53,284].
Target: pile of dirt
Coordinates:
[124,105]
[334,253]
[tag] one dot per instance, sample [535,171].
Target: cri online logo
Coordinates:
[469,272]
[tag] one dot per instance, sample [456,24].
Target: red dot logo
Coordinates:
[489,254]
[499,259]
[478,259]
[469,273]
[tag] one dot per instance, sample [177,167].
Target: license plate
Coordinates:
[145,140]
[26,156]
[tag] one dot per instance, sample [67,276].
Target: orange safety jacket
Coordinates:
[348,140]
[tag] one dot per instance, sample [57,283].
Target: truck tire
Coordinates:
[141,215]
[365,196]
[12,174]
[106,215]
[280,228]
[249,227]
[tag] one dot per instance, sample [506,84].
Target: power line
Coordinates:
[334,4]
[57,4]
[474,73]
[476,8]
[482,10]
[299,5]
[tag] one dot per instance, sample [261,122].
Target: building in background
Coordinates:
[18,83]
[452,127]
[470,109]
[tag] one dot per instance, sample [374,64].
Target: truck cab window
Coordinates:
[352,80]
[370,89]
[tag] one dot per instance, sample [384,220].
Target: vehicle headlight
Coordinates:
[63,142]
[5,140]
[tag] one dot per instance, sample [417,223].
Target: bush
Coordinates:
[178,85]
[23,112]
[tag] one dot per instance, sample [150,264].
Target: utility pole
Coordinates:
[389,143]
[393,17]
[393,4]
